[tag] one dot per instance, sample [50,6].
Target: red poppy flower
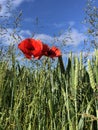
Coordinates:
[31,47]
[45,50]
[54,52]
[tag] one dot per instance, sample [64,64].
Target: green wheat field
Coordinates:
[48,96]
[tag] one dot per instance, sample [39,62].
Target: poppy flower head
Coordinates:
[31,47]
[54,52]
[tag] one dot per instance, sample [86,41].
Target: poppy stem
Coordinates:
[60,60]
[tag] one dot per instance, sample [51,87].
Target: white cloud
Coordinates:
[44,37]
[3,8]
[71,23]
[77,37]
[9,36]
[69,38]
[13,5]
[17,3]
[25,33]
[74,37]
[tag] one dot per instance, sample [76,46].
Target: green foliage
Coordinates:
[49,98]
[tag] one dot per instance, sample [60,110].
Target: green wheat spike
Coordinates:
[81,65]
[75,86]
[76,72]
[96,54]
[62,68]
[96,74]
[72,73]
[96,65]
[91,75]
[81,61]
[50,106]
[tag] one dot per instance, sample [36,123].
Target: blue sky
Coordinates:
[48,18]
[53,16]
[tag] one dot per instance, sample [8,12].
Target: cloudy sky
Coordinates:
[52,21]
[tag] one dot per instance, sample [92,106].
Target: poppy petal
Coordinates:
[45,50]
[28,56]
[37,44]
[56,50]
